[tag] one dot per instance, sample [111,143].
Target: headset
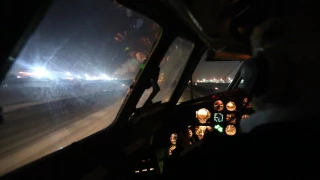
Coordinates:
[269,75]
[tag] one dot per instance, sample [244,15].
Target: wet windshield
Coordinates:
[171,68]
[71,77]
[209,78]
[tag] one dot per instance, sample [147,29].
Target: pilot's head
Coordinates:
[285,67]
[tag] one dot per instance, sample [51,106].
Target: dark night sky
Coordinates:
[78,36]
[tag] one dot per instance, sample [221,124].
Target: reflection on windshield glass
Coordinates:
[171,68]
[210,78]
[71,77]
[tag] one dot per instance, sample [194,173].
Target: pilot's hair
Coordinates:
[294,38]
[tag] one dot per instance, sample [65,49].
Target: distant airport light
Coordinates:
[106,77]
[40,72]
[87,76]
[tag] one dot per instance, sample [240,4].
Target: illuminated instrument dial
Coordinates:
[201,131]
[173,138]
[209,128]
[218,105]
[203,115]
[246,103]
[190,133]
[244,116]
[218,117]
[231,118]
[231,106]
[231,130]
[173,147]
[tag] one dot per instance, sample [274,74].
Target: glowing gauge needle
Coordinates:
[230,130]
[218,105]
[231,106]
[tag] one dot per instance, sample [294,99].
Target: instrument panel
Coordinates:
[222,113]
[224,116]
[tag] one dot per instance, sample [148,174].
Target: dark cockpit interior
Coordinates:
[139,102]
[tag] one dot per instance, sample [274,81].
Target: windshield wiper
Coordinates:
[155,89]
[152,81]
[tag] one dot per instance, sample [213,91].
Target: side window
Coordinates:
[209,78]
[171,69]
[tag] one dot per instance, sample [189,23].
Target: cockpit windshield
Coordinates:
[71,77]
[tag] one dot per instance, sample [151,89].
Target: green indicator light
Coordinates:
[142,66]
[218,127]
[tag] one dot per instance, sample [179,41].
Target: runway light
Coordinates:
[40,72]
[105,77]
